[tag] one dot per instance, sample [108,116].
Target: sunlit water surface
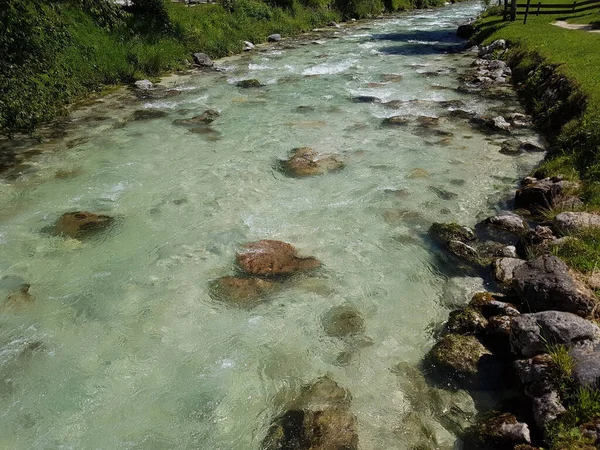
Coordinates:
[134,352]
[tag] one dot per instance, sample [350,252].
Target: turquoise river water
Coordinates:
[124,348]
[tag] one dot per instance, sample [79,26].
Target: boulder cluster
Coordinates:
[542,308]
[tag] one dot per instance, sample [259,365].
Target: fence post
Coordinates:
[538,9]
[574,5]
[526,12]
[513,10]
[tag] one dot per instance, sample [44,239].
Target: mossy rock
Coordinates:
[466,321]
[148,114]
[456,360]
[446,232]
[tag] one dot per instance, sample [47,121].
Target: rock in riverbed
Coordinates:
[243,291]
[80,224]
[247,84]
[205,118]
[343,321]
[20,298]
[502,431]
[272,259]
[320,419]
[304,161]
[202,60]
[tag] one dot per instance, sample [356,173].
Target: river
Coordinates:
[124,347]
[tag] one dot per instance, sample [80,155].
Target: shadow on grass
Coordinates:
[489,28]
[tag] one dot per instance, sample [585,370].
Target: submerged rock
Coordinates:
[273,258]
[253,83]
[80,224]
[342,321]
[147,114]
[319,419]
[397,120]
[304,161]
[205,118]
[19,298]
[531,334]
[243,291]
[545,284]
[366,99]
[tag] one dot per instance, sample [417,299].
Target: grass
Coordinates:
[582,252]
[583,407]
[548,59]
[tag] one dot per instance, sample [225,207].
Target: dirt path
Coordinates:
[575,26]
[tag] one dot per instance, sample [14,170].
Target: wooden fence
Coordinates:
[536,8]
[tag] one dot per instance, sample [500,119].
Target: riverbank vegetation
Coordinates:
[53,53]
[556,71]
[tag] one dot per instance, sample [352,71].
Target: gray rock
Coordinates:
[569,222]
[144,85]
[536,375]
[500,123]
[466,321]
[510,251]
[248,46]
[531,334]
[508,222]
[496,64]
[334,24]
[544,283]
[505,267]
[586,368]
[547,408]
[274,38]
[202,60]
[500,44]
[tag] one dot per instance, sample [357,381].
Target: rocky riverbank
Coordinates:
[539,329]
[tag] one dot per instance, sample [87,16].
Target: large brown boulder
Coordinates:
[80,224]
[243,291]
[273,258]
[304,161]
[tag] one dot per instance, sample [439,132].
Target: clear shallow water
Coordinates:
[134,352]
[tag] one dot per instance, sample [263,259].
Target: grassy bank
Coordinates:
[557,72]
[53,53]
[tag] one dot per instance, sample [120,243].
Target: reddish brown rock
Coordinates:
[273,258]
[79,224]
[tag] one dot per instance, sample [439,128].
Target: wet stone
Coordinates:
[243,291]
[19,299]
[148,114]
[342,321]
[273,258]
[304,161]
[81,224]
[443,193]
[466,321]
[248,84]
[397,120]
[205,118]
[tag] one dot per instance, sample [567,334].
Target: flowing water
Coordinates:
[124,348]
